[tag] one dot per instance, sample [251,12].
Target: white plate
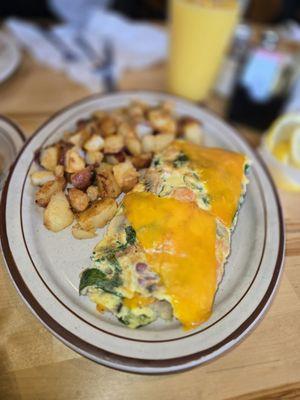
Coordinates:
[45,267]
[10,56]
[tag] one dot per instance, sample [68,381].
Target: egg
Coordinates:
[164,252]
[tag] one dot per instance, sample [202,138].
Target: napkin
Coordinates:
[81,52]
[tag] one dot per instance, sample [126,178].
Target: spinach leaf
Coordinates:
[96,278]
[247,168]
[130,235]
[180,160]
[156,162]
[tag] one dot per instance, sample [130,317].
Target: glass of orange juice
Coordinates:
[200,31]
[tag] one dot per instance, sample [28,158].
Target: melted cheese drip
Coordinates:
[179,240]
[222,172]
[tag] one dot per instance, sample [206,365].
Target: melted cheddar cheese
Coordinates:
[179,240]
[222,172]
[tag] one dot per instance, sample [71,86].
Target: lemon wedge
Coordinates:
[282,128]
[281,149]
[295,148]
[283,139]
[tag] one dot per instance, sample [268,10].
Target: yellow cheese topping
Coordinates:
[179,242]
[222,172]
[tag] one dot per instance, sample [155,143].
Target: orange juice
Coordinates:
[200,31]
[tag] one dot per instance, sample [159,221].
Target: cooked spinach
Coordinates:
[180,160]
[156,162]
[127,317]
[247,168]
[130,235]
[109,253]
[96,278]
[206,200]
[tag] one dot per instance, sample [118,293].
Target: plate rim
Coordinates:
[107,358]
[17,59]
[15,127]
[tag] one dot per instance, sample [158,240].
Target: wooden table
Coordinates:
[34,365]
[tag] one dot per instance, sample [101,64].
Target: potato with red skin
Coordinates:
[114,159]
[79,200]
[63,147]
[83,179]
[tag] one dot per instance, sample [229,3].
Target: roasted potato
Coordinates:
[80,233]
[44,194]
[191,129]
[143,129]
[83,178]
[126,175]
[93,157]
[126,130]
[113,144]
[137,109]
[101,158]
[97,216]
[49,158]
[134,146]
[108,126]
[168,106]
[157,143]
[78,138]
[162,121]
[39,178]
[106,182]
[73,161]
[163,140]
[58,214]
[99,114]
[94,143]
[114,159]
[148,143]
[79,200]
[142,160]
[59,171]
[63,147]
[92,192]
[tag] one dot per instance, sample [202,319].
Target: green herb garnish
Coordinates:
[180,160]
[247,169]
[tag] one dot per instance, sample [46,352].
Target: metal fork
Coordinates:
[102,66]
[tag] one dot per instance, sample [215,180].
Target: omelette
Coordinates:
[164,252]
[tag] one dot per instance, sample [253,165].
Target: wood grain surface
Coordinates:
[34,365]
